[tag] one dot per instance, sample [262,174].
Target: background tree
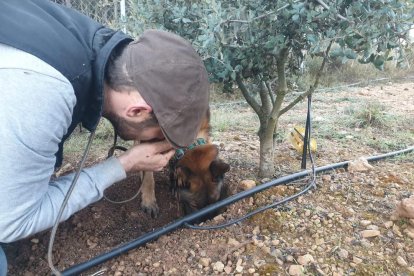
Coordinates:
[252,44]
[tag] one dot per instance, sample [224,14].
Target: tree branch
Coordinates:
[249,98]
[320,2]
[257,17]
[269,89]
[264,97]
[313,87]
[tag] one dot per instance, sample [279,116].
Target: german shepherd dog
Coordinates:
[196,176]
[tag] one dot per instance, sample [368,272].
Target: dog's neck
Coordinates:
[204,131]
[204,134]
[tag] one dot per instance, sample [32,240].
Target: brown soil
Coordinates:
[325,223]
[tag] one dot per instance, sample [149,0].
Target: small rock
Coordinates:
[227,269]
[247,184]
[91,244]
[237,138]
[326,178]
[372,227]
[396,230]
[359,165]
[275,242]
[204,262]
[365,222]
[256,230]
[239,268]
[251,270]
[289,258]
[370,233]
[409,232]
[305,259]
[218,218]
[233,242]
[218,266]
[157,264]
[259,263]
[388,224]
[349,240]
[134,214]
[401,261]
[405,208]
[357,260]
[296,270]
[365,243]
[319,241]
[35,241]
[279,261]
[342,253]
[411,222]
[265,180]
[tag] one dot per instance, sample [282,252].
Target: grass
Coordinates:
[369,114]
[337,73]
[226,118]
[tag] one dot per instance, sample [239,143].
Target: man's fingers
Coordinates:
[169,154]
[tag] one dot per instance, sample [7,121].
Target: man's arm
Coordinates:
[35,112]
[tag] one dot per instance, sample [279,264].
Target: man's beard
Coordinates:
[128,130]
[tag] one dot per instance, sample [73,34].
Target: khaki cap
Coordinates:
[172,79]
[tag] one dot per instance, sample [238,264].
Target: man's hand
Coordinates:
[147,157]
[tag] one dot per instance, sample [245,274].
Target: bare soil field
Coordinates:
[323,232]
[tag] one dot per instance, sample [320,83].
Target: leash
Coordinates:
[64,203]
[111,152]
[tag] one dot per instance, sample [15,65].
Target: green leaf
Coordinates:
[350,54]
[337,52]
[295,17]
[379,62]
[186,20]
[233,75]
[312,38]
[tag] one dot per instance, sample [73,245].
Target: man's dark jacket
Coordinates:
[72,43]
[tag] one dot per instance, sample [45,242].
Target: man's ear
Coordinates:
[138,109]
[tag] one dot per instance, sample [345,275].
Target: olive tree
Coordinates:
[251,44]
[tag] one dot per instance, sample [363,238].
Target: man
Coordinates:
[59,68]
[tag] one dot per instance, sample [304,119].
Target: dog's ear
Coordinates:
[183,175]
[218,168]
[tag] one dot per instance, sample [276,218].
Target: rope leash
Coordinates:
[64,203]
[111,152]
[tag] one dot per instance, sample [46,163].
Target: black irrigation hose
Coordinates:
[77,269]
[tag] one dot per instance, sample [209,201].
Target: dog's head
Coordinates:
[198,178]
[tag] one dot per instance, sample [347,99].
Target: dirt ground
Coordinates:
[321,233]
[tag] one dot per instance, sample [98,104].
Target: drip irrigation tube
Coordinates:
[77,269]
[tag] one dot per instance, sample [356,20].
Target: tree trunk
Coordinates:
[266,166]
